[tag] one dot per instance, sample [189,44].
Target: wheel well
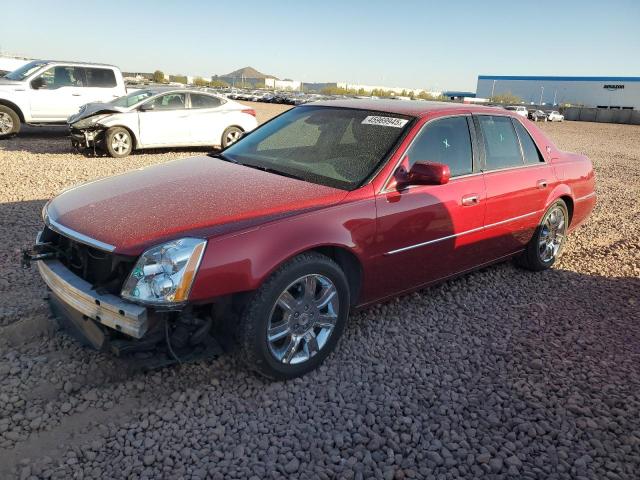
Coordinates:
[135,139]
[350,265]
[569,202]
[13,107]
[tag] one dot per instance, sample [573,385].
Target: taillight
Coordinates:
[250,111]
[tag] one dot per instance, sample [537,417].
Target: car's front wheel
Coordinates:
[547,242]
[9,122]
[118,142]
[294,320]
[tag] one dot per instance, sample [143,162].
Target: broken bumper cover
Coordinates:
[75,293]
[87,137]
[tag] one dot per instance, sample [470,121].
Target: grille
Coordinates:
[106,271]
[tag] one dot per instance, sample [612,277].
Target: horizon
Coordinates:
[455,49]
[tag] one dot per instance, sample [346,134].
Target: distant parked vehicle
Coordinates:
[555,116]
[520,110]
[47,92]
[160,117]
[537,116]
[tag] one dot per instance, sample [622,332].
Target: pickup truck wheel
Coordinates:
[118,142]
[294,320]
[546,245]
[231,135]
[9,122]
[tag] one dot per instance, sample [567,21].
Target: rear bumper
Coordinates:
[77,295]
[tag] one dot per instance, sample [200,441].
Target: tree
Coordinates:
[158,76]
[200,82]
[507,97]
[215,83]
[179,79]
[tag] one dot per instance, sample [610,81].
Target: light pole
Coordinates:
[541,93]
[493,87]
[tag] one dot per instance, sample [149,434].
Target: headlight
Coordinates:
[88,122]
[164,274]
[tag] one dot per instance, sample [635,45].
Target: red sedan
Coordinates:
[327,207]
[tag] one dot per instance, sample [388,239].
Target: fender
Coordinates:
[13,106]
[251,256]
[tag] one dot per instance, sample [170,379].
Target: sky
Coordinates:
[440,45]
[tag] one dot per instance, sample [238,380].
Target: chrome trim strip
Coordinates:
[592,194]
[80,237]
[455,235]
[109,310]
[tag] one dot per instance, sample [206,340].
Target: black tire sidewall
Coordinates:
[109,136]
[16,121]
[261,306]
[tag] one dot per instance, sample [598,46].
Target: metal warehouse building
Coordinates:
[602,92]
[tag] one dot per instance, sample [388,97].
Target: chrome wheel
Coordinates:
[552,234]
[232,137]
[303,319]
[121,143]
[6,123]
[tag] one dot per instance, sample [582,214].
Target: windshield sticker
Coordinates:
[385,121]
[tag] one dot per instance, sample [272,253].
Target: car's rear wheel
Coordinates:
[545,247]
[118,142]
[294,320]
[230,136]
[9,122]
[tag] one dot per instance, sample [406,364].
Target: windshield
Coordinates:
[337,147]
[132,98]
[25,70]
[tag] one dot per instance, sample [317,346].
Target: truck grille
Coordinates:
[106,271]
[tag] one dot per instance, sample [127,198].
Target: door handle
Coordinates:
[75,94]
[470,200]
[542,184]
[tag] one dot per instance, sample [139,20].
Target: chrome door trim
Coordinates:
[455,235]
[80,237]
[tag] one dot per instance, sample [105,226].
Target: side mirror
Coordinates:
[423,173]
[37,83]
[146,107]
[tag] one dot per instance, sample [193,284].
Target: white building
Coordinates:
[396,90]
[282,84]
[602,92]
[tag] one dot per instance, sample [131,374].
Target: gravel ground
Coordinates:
[500,374]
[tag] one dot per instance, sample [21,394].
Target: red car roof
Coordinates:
[416,108]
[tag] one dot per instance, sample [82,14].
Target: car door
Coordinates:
[164,121]
[518,181]
[206,119]
[56,93]
[429,232]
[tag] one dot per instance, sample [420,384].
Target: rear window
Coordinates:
[204,101]
[501,144]
[100,77]
[530,151]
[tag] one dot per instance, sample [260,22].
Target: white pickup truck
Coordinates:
[47,92]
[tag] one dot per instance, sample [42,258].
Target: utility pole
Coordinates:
[493,88]
[541,93]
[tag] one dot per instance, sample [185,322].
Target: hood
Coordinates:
[91,109]
[5,84]
[199,196]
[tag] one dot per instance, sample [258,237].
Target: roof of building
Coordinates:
[559,79]
[414,108]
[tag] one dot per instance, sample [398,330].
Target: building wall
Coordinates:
[282,84]
[587,91]
[396,90]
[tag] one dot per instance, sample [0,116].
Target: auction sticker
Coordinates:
[385,121]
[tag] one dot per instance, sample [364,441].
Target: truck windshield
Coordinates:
[25,70]
[132,98]
[337,147]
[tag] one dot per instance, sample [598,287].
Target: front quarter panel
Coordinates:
[242,262]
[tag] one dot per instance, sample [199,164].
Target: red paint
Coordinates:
[255,221]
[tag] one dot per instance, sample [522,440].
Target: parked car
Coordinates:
[46,92]
[518,109]
[537,116]
[327,207]
[160,117]
[555,116]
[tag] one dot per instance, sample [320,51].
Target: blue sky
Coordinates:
[420,44]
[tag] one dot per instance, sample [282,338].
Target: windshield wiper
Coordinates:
[273,170]
[222,157]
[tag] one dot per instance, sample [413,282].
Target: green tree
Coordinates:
[158,76]
[507,97]
[215,83]
[180,79]
[200,82]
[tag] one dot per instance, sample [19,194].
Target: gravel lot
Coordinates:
[499,374]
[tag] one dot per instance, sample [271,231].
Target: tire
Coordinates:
[230,136]
[118,142]
[302,338]
[545,247]
[9,122]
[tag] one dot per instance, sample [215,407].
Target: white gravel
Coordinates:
[499,374]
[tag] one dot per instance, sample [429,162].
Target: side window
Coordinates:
[100,77]
[58,77]
[444,141]
[204,101]
[500,142]
[529,149]
[170,101]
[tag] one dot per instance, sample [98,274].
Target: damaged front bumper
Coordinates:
[90,137]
